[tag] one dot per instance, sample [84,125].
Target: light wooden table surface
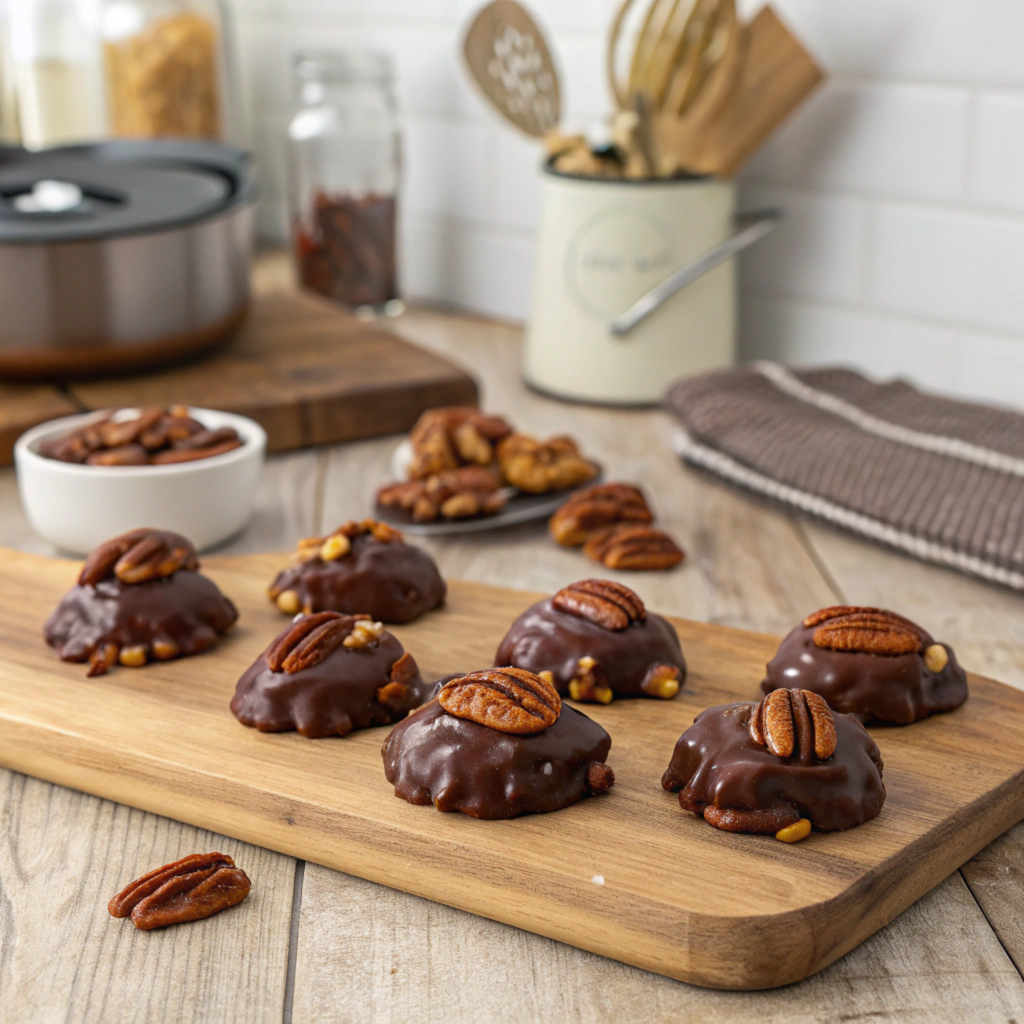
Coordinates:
[311,944]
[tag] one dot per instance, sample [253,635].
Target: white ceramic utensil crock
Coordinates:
[605,243]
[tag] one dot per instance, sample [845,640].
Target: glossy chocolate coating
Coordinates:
[332,698]
[545,639]
[716,762]
[899,689]
[185,609]
[458,765]
[392,582]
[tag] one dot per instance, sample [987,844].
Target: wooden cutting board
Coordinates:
[306,371]
[628,875]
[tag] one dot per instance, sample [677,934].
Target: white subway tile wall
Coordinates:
[902,180]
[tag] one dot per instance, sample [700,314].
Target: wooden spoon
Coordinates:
[510,61]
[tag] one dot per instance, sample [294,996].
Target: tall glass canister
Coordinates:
[344,168]
[169,70]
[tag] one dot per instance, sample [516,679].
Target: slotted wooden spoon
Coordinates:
[510,61]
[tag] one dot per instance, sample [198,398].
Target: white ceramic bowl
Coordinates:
[77,507]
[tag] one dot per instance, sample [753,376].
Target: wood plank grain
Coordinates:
[367,954]
[23,406]
[64,959]
[327,801]
[304,370]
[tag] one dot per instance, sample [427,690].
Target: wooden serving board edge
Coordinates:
[808,939]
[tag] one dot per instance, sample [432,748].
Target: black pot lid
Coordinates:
[113,189]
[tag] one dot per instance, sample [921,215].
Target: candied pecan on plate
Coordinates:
[593,508]
[541,466]
[445,439]
[464,493]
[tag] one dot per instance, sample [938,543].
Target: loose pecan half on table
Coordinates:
[154,437]
[189,889]
[633,548]
[594,508]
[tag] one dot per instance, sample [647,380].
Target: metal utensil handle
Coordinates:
[752,226]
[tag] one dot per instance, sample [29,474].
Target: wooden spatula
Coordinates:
[511,63]
[775,75]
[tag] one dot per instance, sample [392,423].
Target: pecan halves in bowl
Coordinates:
[138,557]
[506,699]
[189,889]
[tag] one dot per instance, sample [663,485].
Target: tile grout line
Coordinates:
[995,931]
[293,941]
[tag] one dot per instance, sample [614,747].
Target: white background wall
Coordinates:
[902,180]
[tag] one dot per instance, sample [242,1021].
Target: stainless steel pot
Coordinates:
[120,255]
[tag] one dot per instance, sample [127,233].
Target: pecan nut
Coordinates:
[865,631]
[541,466]
[605,603]
[308,640]
[444,439]
[397,694]
[186,890]
[507,699]
[794,723]
[633,548]
[462,493]
[138,557]
[595,508]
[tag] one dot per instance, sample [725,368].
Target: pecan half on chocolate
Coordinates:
[794,723]
[865,631]
[541,466]
[187,890]
[309,640]
[138,557]
[633,548]
[595,508]
[506,699]
[605,603]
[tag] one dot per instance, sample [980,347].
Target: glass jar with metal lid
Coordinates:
[344,169]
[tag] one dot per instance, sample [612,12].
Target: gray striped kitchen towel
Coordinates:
[940,479]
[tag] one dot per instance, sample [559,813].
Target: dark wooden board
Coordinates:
[628,875]
[306,371]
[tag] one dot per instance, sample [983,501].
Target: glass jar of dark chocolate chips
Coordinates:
[344,168]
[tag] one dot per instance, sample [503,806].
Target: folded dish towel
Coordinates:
[940,479]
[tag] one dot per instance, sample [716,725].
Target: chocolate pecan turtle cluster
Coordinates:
[362,568]
[870,663]
[497,743]
[139,598]
[157,436]
[466,463]
[613,524]
[780,767]
[595,640]
[326,675]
